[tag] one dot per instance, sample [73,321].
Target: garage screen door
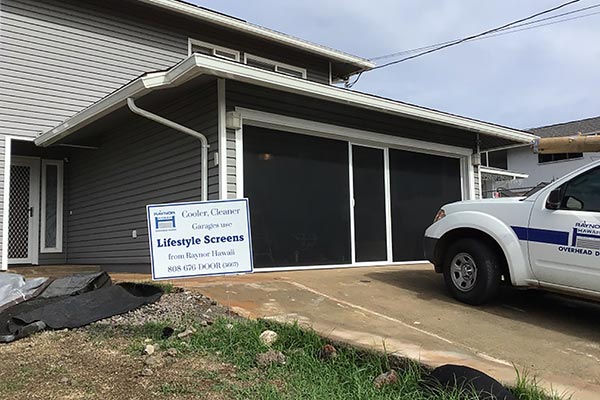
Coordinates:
[298,189]
[420,185]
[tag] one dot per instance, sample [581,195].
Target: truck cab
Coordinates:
[549,239]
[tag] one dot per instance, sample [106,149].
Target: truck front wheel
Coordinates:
[472,271]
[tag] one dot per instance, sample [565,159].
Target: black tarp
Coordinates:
[72,311]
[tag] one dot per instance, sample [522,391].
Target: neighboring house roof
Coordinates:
[194,11]
[584,126]
[197,64]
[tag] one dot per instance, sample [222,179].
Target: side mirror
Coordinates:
[554,199]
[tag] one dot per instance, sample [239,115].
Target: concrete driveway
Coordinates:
[406,309]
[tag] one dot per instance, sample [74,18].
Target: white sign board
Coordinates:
[199,238]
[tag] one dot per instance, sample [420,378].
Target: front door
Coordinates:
[23,211]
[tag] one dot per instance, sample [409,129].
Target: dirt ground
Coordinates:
[105,360]
[82,365]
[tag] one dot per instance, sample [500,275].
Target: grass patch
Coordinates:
[166,287]
[349,376]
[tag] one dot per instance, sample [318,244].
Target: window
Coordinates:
[52,206]
[546,158]
[583,192]
[270,65]
[196,46]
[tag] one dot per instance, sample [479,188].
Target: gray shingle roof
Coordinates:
[588,125]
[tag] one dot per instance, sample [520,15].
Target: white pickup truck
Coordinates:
[548,240]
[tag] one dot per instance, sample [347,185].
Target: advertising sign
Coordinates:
[199,238]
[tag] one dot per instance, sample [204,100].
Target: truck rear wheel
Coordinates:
[472,271]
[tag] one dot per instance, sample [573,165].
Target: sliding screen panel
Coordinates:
[369,204]
[298,189]
[420,185]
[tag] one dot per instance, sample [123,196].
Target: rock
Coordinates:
[153,361]
[172,352]
[147,340]
[204,323]
[328,352]
[149,349]
[187,333]
[213,303]
[269,358]
[268,337]
[387,378]
[65,381]
[229,326]
[146,372]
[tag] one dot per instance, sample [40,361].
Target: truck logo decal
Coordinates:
[586,235]
[542,235]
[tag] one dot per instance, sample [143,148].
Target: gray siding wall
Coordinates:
[139,162]
[477,182]
[231,165]
[60,56]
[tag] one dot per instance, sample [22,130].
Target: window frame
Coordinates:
[214,48]
[276,65]
[575,156]
[59,207]
[565,187]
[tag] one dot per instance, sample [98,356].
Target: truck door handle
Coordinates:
[30,212]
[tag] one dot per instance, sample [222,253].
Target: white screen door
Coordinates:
[24,211]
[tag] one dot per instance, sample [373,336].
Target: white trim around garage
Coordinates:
[307,127]
[354,136]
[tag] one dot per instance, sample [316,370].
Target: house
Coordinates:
[107,106]
[539,169]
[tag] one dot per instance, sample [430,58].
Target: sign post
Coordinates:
[199,239]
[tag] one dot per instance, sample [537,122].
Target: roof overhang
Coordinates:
[226,21]
[197,65]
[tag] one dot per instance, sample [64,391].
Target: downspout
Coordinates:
[183,129]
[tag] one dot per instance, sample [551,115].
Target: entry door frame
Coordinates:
[34,202]
[387,205]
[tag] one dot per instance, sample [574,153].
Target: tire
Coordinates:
[472,271]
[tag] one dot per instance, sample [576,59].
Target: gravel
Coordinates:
[178,307]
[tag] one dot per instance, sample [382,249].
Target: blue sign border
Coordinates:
[149,220]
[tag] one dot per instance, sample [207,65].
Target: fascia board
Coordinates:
[240,72]
[198,64]
[271,35]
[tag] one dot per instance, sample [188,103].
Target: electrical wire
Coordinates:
[504,31]
[487,32]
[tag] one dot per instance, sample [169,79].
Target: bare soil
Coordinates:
[85,364]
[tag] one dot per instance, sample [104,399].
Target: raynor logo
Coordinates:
[164,221]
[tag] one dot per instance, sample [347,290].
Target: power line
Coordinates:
[503,31]
[464,39]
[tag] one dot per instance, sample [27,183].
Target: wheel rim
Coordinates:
[463,272]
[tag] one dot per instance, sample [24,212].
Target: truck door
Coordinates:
[564,233]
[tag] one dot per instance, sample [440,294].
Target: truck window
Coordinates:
[582,193]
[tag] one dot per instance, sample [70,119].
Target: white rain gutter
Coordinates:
[183,129]
[197,65]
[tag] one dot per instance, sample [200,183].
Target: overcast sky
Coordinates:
[526,79]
